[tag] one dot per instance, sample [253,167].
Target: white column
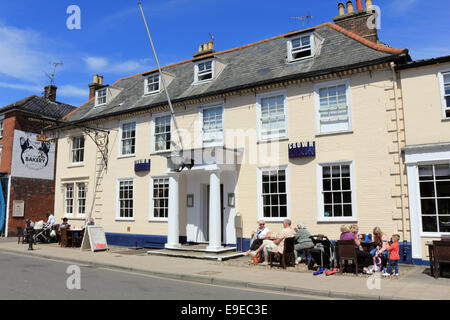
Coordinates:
[215,241]
[173,235]
[414,211]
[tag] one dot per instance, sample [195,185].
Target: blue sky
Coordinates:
[112,40]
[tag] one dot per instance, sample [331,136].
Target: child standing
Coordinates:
[394,256]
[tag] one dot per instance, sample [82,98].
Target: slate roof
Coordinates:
[41,107]
[255,64]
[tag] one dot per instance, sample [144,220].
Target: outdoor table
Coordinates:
[429,244]
[367,246]
[73,231]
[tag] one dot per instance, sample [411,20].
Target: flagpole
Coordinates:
[161,75]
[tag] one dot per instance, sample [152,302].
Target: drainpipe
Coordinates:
[399,151]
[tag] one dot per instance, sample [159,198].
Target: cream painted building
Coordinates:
[426,96]
[241,115]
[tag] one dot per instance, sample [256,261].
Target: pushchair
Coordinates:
[41,233]
[322,254]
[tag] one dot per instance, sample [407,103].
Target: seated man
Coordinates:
[90,222]
[276,245]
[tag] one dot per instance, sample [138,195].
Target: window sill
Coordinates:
[76,165]
[124,219]
[158,220]
[318,135]
[443,120]
[274,220]
[151,93]
[126,156]
[202,82]
[433,234]
[340,219]
[158,153]
[272,140]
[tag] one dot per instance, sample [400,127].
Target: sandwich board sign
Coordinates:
[94,239]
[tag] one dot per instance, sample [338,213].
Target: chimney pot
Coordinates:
[50,92]
[369,4]
[359,5]
[341,8]
[350,8]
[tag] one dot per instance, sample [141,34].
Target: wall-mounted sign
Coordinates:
[32,158]
[142,165]
[18,208]
[302,150]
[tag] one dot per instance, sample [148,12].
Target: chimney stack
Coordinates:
[95,85]
[356,21]
[204,49]
[50,92]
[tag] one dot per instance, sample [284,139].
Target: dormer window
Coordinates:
[204,71]
[100,97]
[152,84]
[301,47]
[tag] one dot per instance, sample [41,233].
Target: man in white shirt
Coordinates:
[51,221]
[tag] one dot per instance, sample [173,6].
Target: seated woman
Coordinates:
[302,241]
[261,233]
[364,258]
[382,245]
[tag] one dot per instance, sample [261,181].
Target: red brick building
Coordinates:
[26,194]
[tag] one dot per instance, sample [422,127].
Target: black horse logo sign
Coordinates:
[34,154]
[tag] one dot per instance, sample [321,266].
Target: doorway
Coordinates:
[205,212]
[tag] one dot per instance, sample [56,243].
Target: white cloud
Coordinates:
[73,91]
[21,56]
[104,65]
[22,86]
[95,63]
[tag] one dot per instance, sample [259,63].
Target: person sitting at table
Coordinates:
[364,258]
[302,241]
[261,233]
[355,230]
[90,222]
[64,224]
[381,246]
[276,245]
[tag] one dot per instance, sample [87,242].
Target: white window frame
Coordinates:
[260,193]
[320,198]
[291,48]
[146,84]
[118,217]
[202,108]
[152,207]
[276,135]
[442,92]
[153,137]
[196,71]
[97,97]
[66,214]
[72,151]
[78,198]
[327,84]
[121,124]
[2,124]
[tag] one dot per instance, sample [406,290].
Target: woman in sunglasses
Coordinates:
[261,233]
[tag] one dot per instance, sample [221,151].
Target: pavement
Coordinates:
[414,281]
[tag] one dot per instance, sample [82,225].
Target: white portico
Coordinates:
[211,179]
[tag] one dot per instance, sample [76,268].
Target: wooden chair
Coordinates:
[441,254]
[66,238]
[287,255]
[20,235]
[347,251]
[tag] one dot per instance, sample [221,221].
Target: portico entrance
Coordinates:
[208,218]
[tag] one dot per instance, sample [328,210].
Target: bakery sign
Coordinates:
[32,158]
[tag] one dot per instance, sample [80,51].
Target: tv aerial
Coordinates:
[304,19]
[52,75]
